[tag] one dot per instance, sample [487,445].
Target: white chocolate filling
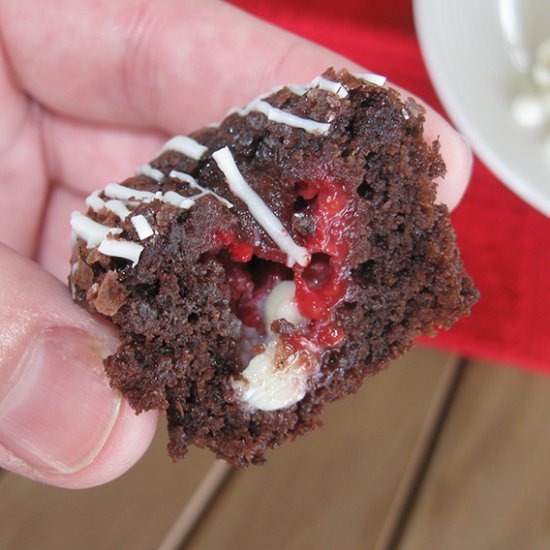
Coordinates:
[281,304]
[265,384]
[267,387]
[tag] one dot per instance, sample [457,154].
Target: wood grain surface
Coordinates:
[134,512]
[434,453]
[334,488]
[488,485]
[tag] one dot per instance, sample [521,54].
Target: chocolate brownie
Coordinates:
[262,267]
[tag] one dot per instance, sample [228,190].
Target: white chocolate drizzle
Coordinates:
[329,86]
[243,111]
[150,172]
[373,78]
[186,146]
[283,117]
[298,89]
[178,200]
[195,185]
[95,234]
[118,208]
[94,202]
[187,178]
[312,126]
[90,231]
[117,198]
[142,227]
[117,191]
[121,249]
[255,105]
[123,193]
[259,210]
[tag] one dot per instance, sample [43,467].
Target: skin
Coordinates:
[90,90]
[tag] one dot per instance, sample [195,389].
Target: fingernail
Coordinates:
[466,141]
[469,150]
[60,409]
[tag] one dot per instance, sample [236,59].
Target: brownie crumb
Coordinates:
[262,268]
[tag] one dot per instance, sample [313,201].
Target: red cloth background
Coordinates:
[505,243]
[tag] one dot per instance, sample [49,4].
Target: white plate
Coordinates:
[467,48]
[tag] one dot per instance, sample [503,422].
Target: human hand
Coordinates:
[90,90]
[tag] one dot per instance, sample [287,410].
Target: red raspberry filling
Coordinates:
[320,286]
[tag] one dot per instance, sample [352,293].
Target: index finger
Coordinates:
[172,65]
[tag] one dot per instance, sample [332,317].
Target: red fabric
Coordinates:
[505,243]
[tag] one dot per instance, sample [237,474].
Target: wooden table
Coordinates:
[435,453]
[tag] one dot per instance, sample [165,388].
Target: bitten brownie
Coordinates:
[265,266]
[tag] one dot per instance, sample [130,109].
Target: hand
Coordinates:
[90,90]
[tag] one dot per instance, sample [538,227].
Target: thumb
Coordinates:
[60,422]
